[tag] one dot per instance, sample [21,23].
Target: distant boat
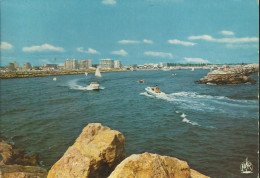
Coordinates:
[141,81]
[192,69]
[173,74]
[54,79]
[86,73]
[97,73]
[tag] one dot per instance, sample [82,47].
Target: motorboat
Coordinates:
[93,86]
[151,91]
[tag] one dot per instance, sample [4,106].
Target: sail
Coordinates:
[97,73]
[86,73]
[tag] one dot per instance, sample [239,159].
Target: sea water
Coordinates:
[214,128]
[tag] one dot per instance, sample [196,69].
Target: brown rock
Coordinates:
[6,153]
[18,171]
[151,165]
[195,174]
[11,155]
[95,153]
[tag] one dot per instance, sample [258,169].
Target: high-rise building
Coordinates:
[71,64]
[106,63]
[117,64]
[11,66]
[85,64]
[27,66]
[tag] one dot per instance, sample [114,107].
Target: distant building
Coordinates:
[106,63]
[117,64]
[11,66]
[85,64]
[27,66]
[71,64]
[50,66]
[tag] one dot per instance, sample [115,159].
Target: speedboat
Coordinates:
[93,86]
[151,91]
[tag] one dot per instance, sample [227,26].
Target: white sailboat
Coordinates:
[97,73]
[86,73]
[192,69]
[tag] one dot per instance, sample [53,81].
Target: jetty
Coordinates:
[232,74]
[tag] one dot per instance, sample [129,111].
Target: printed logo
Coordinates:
[246,167]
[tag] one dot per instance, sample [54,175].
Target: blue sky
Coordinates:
[135,32]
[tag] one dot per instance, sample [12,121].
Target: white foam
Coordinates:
[183,115]
[146,94]
[190,122]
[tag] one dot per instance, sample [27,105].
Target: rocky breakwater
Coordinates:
[14,163]
[99,150]
[231,75]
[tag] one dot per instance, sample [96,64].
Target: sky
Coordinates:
[132,31]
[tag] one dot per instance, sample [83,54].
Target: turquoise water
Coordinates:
[214,128]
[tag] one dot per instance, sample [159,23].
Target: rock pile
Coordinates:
[231,75]
[98,150]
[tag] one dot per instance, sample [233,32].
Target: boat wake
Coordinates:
[73,84]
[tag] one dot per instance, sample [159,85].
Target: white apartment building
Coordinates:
[85,64]
[117,64]
[27,66]
[106,63]
[71,64]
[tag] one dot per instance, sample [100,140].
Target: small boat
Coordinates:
[173,74]
[151,91]
[86,73]
[93,86]
[141,81]
[54,79]
[192,69]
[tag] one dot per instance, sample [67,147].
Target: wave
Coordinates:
[190,122]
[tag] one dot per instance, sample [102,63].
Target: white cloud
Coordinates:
[244,46]
[227,33]
[44,47]
[109,2]
[6,46]
[225,40]
[148,41]
[120,52]
[128,42]
[158,54]
[201,37]
[90,50]
[196,60]
[184,43]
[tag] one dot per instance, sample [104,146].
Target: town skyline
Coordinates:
[151,31]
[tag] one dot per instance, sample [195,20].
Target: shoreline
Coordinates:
[30,74]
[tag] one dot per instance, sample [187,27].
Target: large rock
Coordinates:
[196,174]
[151,165]
[19,171]
[95,153]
